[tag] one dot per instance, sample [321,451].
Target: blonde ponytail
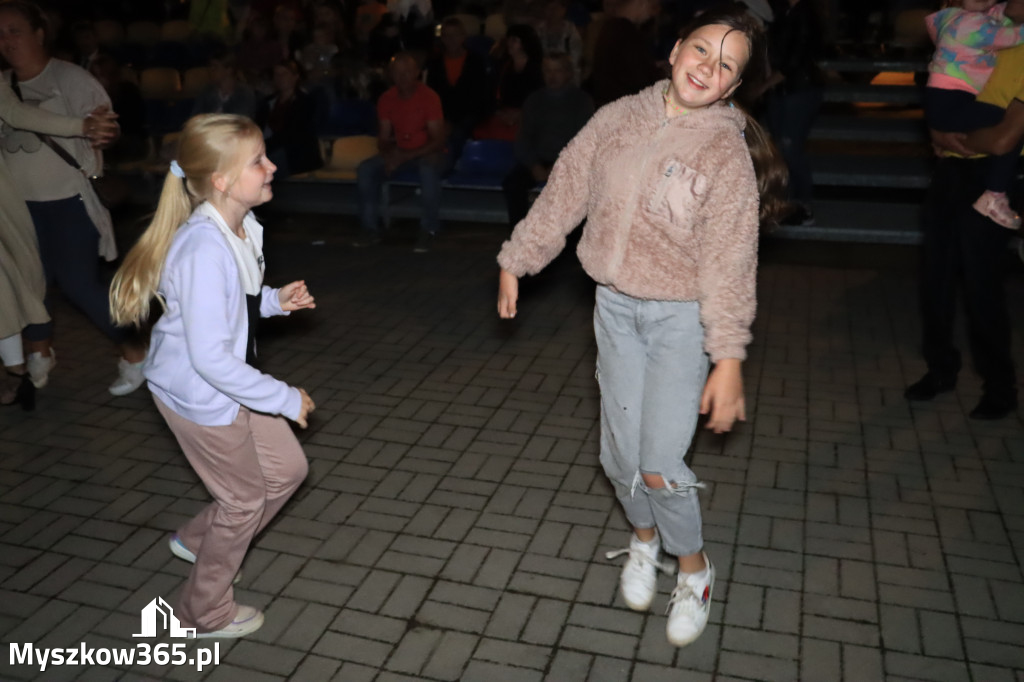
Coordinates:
[136,281]
[209,144]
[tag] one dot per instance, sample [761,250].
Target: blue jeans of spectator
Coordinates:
[789,117]
[371,175]
[69,250]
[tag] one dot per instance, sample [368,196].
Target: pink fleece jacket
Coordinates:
[671,208]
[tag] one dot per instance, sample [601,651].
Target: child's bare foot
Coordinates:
[996,206]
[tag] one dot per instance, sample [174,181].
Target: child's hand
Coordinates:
[307,406]
[723,396]
[508,294]
[295,296]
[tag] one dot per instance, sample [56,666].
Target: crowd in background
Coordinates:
[309,68]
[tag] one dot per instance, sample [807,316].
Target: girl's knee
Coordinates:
[667,484]
[654,480]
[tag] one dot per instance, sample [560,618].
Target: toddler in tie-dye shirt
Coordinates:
[967,35]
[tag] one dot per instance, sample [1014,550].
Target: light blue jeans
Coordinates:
[651,367]
[370,178]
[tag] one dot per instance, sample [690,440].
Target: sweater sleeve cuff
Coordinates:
[728,352]
[270,304]
[293,405]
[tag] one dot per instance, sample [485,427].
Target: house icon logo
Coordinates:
[159,612]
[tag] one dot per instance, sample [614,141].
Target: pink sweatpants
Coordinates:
[250,468]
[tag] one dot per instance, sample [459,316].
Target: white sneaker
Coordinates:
[690,604]
[129,377]
[39,367]
[179,550]
[639,579]
[247,621]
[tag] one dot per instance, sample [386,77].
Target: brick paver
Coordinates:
[455,519]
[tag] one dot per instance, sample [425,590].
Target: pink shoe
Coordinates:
[996,207]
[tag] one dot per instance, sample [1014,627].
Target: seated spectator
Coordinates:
[624,61]
[316,57]
[368,15]
[354,79]
[259,53]
[558,34]
[551,118]
[518,77]
[459,77]
[385,41]
[410,137]
[287,32]
[329,14]
[415,19]
[226,93]
[127,101]
[87,45]
[288,120]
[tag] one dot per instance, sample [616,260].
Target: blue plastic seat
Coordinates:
[483,164]
[347,117]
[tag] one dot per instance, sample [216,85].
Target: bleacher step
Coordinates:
[869,129]
[874,94]
[859,221]
[870,171]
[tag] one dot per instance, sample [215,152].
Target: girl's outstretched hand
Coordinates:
[307,406]
[295,296]
[508,294]
[723,396]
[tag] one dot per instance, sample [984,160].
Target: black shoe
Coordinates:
[423,242]
[929,386]
[366,239]
[990,407]
[799,214]
[24,394]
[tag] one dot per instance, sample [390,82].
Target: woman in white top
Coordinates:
[22,285]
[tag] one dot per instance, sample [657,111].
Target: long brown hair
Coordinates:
[772,176]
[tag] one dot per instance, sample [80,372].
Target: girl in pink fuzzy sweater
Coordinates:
[669,181]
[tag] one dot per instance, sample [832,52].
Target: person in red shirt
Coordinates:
[410,137]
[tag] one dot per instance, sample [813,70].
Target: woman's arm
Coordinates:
[1003,137]
[27,117]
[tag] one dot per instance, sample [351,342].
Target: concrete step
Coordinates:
[869,129]
[864,65]
[870,171]
[859,221]
[875,94]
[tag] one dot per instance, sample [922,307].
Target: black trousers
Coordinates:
[517,186]
[964,249]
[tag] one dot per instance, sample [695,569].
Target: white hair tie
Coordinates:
[176,170]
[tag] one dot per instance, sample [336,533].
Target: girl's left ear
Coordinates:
[731,90]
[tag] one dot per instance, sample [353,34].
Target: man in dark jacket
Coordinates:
[551,118]
[459,77]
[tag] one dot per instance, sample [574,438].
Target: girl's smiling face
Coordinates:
[707,65]
[251,186]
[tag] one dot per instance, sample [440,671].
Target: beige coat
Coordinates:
[671,208]
[22,285]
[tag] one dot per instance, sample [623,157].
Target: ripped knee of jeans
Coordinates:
[654,483]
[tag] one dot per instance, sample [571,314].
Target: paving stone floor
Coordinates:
[455,519]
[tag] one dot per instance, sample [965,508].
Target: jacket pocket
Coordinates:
[678,194]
